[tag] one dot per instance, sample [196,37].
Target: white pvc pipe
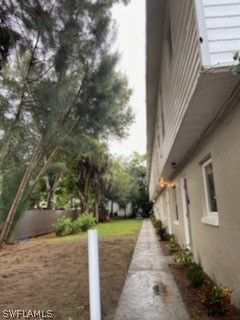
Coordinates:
[94,279]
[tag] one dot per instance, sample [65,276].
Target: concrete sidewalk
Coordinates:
[150,292]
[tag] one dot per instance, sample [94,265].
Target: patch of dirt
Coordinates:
[190,294]
[38,275]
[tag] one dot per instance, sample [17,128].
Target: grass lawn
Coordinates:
[119,228]
[52,274]
[107,229]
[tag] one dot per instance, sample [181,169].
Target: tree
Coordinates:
[129,183]
[53,176]
[61,83]
[90,174]
[138,193]
[119,183]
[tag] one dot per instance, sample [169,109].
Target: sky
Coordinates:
[130,42]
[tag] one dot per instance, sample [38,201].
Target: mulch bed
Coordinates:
[190,294]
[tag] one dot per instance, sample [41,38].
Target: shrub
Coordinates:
[63,225]
[84,222]
[157,224]
[196,275]
[172,244]
[183,257]
[77,225]
[163,234]
[151,215]
[215,299]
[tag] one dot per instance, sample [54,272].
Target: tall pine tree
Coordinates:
[59,82]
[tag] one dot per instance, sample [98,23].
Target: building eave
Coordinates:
[216,93]
[155,27]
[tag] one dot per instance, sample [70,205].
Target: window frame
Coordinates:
[176,221]
[212,217]
[169,40]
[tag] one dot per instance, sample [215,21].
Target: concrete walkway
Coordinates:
[150,292]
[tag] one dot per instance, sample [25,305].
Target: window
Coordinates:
[175,203]
[209,186]
[210,195]
[170,41]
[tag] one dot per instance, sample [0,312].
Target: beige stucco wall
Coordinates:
[217,248]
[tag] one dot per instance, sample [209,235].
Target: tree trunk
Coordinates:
[18,197]
[52,156]
[52,186]
[96,209]
[7,139]
[84,204]
[111,213]
[96,204]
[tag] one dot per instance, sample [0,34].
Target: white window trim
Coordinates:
[176,220]
[211,220]
[212,217]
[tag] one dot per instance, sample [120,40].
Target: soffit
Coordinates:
[215,93]
[155,27]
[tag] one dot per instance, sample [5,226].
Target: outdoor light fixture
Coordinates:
[162,183]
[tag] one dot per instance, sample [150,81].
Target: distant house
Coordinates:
[193,129]
[114,208]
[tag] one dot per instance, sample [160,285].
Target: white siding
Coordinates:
[179,77]
[221,20]
[156,164]
[153,173]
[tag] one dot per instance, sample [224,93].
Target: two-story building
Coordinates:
[193,129]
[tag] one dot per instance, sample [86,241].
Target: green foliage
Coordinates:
[68,226]
[64,225]
[8,37]
[138,189]
[119,183]
[9,186]
[196,275]
[58,84]
[215,299]
[152,216]
[89,174]
[125,227]
[236,68]
[163,234]
[172,243]
[129,183]
[157,224]
[61,201]
[183,257]
[84,222]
